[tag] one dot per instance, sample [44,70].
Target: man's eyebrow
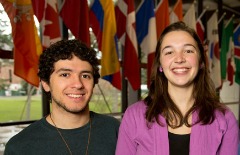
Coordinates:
[87,71]
[63,69]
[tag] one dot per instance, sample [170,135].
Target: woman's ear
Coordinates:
[202,65]
[45,86]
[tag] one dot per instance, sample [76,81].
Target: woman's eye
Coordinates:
[189,51]
[168,52]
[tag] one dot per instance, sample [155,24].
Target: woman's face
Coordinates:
[179,58]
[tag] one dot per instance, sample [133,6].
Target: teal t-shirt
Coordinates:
[41,138]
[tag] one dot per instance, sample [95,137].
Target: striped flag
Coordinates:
[126,31]
[103,24]
[27,45]
[177,13]
[236,36]
[75,15]
[146,32]
[47,14]
[162,16]
[213,50]
[227,53]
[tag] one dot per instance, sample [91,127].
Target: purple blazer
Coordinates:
[135,138]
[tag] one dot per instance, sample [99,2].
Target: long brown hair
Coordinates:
[159,101]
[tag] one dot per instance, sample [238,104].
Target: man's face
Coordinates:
[71,85]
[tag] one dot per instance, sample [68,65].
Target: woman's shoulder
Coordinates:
[137,106]
[226,120]
[227,115]
[136,110]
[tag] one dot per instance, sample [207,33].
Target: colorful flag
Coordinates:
[190,17]
[200,27]
[146,32]
[236,36]
[162,16]
[126,31]
[213,50]
[177,13]
[227,52]
[47,14]
[103,23]
[75,15]
[27,46]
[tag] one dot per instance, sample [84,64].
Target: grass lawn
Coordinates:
[14,108]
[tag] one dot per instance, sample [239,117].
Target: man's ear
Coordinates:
[45,86]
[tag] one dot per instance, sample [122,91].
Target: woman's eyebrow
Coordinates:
[166,47]
[190,45]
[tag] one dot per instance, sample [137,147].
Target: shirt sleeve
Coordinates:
[230,139]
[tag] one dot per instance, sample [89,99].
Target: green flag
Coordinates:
[227,52]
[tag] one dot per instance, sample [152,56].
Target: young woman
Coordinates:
[182,114]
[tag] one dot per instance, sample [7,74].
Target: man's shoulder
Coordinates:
[105,119]
[24,136]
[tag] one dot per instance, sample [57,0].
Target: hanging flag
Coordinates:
[27,46]
[126,32]
[75,15]
[176,14]
[213,50]
[103,23]
[227,52]
[146,32]
[236,36]
[200,30]
[190,17]
[162,16]
[200,27]
[47,14]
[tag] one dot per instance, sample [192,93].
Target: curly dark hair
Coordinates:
[159,101]
[66,49]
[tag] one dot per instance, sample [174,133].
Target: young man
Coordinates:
[68,71]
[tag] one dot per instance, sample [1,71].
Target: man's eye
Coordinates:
[64,75]
[86,76]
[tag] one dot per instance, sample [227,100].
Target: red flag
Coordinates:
[126,31]
[162,16]
[47,14]
[177,12]
[75,15]
[200,30]
[27,46]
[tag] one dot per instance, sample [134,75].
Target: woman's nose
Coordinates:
[180,58]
